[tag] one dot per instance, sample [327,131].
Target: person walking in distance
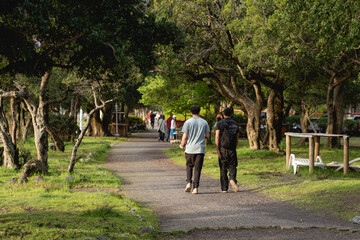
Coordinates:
[173,127]
[195,131]
[162,127]
[226,141]
[168,124]
[152,119]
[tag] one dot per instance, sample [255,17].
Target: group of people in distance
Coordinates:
[167,127]
[195,131]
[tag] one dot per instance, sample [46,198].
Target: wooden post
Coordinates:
[317,147]
[311,154]
[288,150]
[346,154]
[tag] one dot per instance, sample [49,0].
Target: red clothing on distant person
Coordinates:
[168,121]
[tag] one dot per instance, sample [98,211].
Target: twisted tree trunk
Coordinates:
[96,125]
[10,152]
[11,156]
[59,143]
[39,115]
[83,131]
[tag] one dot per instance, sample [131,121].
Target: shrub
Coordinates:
[293,119]
[24,155]
[135,119]
[65,126]
[351,126]
[322,123]
[240,118]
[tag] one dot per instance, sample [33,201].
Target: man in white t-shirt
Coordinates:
[195,130]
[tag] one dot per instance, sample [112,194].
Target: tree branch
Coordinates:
[113,49]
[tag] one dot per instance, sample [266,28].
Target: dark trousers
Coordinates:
[194,162]
[168,135]
[228,162]
[161,136]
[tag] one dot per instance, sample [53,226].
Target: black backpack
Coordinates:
[229,129]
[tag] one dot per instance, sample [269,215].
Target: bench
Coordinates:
[296,162]
[340,166]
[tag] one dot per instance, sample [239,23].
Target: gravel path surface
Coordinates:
[152,179]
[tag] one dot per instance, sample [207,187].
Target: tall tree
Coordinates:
[88,36]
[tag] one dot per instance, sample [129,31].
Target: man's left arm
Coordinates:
[207,135]
[207,132]
[217,142]
[237,137]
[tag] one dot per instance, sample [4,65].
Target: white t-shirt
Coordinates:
[173,124]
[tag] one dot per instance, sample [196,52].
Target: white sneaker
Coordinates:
[195,191]
[233,185]
[188,187]
[224,191]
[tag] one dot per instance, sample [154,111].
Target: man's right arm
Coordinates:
[184,136]
[183,140]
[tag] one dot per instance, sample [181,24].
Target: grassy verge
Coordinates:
[89,206]
[324,191]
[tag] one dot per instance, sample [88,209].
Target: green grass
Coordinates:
[324,191]
[90,206]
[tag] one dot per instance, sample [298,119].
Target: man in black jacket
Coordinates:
[226,140]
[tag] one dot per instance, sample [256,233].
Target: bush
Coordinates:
[65,126]
[295,119]
[135,119]
[351,126]
[24,155]
[322,123]
[240,118]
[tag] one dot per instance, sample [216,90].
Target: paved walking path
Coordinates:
[152,179]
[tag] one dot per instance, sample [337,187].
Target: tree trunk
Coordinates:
[74,107]
[82,133]
[274,119]
[24,122]
[14,117]
[10,153]
[14,127]
[25,128]
[78,142]
[96,126]
[126,116]
[40,136]
[334,104]
[107,118]
[253,127]
[126,113]
[59,143]
[271,123]
[279,113]
[39,119]
[304,116]
[253,108]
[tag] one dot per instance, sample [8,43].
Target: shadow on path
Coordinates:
[152,179]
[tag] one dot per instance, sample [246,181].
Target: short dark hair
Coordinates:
[195,109]
[228,112]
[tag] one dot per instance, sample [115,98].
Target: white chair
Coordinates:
[296,162]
